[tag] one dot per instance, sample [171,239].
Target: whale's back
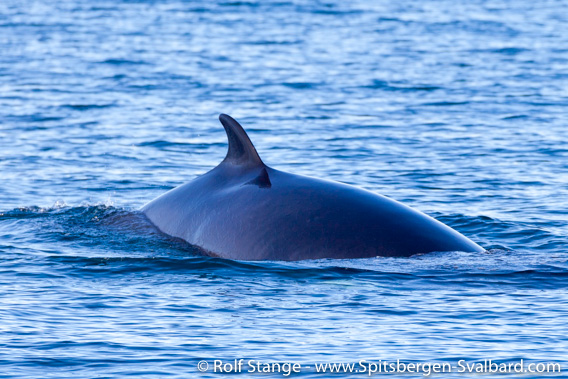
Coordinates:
[243,209]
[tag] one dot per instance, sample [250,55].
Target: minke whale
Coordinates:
[244,210]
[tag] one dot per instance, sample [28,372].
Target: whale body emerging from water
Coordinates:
[245,210]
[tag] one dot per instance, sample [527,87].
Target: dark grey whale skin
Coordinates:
[245,210]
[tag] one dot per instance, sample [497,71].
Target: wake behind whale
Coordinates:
[245,210]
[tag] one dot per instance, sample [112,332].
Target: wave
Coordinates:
[101,239]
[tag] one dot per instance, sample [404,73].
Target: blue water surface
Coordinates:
[456,108]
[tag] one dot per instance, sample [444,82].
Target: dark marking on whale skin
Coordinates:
[262,180]
[245,210]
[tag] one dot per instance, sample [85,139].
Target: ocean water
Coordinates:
[456,108]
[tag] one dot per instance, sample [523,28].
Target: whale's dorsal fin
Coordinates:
[241,150]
